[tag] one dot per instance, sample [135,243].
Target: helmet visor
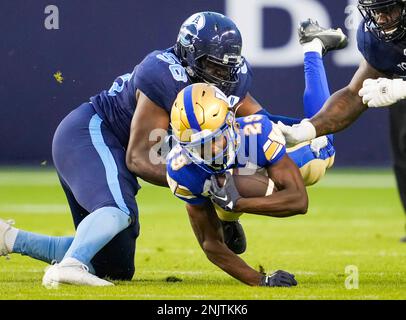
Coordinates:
[215,72]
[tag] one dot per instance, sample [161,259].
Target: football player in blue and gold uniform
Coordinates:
[211,141]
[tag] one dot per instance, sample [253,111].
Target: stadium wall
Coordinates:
[55,54]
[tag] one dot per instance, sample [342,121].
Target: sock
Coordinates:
[95,231]
[10,238]
[316,91]
[41,247]
[313,46]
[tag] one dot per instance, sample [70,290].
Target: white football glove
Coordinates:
[304,131]
[317,144]
[382,92]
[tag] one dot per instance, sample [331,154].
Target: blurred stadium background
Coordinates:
[98,40]
[355,216]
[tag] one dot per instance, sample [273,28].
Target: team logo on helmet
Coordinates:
[197,20]
[190,28]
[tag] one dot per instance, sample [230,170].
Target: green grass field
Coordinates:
[354,218]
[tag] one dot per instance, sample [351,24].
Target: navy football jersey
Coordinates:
[386,57]
[261,146]
[160,77]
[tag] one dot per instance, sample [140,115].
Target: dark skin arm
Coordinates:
[344,106]
[290,199]
[142,157]
[207,228]
[247,106]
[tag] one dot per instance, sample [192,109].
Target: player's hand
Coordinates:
[382,92]
[279,278]
[226,196]
[304,131]
[317,144]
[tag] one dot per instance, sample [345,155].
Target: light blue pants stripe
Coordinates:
[108,162]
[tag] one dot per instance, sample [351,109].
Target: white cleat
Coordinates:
[4,227]
[71,271]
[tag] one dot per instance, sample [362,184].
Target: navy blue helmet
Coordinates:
[209,46]
[386,19]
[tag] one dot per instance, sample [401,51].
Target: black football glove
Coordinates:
[279,278]
[226,196]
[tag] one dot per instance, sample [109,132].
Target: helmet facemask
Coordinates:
[223,75]
[215,151]
[393,11]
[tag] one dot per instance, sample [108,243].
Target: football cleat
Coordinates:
[4,227]
[71,271]
[234,236]
[331,39]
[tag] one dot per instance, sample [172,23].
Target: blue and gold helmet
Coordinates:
[209,46]
[386,19]
[203,123]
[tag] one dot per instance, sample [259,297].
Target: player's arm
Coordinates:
[290,199]
[142,156]
[338,112]
[207,228]
[247,106]
[344,106]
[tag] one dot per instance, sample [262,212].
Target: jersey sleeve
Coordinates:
[180,180]
[366,43]
[272,142]
[361,38]
[155,80]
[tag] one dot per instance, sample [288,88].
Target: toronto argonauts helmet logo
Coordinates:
[190,28]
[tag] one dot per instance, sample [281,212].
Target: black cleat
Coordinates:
[332,39]
[234,236]
[403,239]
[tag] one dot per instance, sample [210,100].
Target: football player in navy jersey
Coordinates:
[102,146]
[378,82]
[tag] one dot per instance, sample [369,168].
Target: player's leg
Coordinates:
[316,41]
[398,141]
[91,162]
[38,246]
[234,236]
[116,259]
